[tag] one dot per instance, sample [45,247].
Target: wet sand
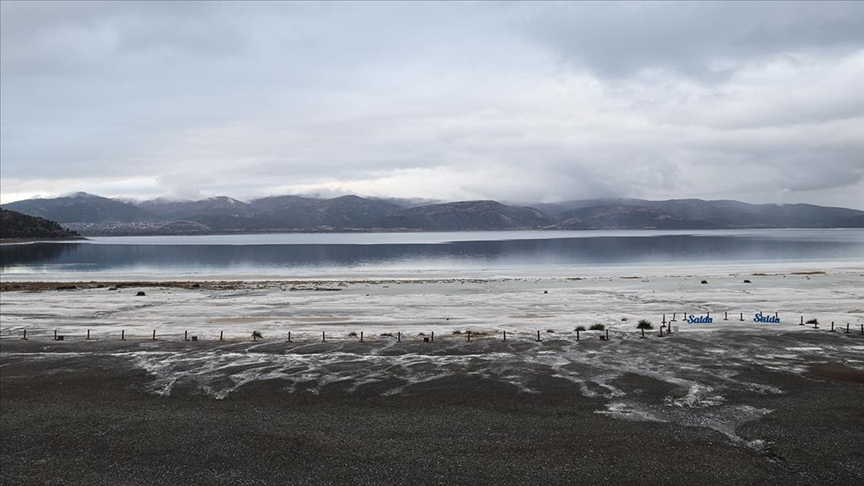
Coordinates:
[89,413]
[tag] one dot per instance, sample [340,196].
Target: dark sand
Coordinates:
[90,419]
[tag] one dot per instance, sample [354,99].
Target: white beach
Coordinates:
[616,297]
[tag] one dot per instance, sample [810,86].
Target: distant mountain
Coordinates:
[17,226]
[214,206]
[619,216]
[699,214]
[82,208]
[94,215]
[464,216]
[296,212]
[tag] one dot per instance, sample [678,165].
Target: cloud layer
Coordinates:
[762,102]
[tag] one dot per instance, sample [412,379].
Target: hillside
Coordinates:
[17,226]
[462,216]
[82,208]
[95,215]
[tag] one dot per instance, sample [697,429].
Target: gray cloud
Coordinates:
[706,39]
[762,102]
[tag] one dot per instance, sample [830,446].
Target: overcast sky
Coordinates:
[530,102]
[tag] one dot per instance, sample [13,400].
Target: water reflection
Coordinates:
[84,257]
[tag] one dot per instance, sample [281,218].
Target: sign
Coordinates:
[691,319]
[769,319]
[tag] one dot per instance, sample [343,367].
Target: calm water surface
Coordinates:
[291,255]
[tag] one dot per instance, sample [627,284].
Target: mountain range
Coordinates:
[94,215]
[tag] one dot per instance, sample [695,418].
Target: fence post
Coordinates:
[505,335]
[186,336]
[55,334]
[664,319]
[577,334]
[323,337]
[398,336]
[469,336]
[122,334]
[154,334]
[847,328]
[88,334]
[361,336]
[25,335]
[607,334]
[643,333]
[538,336]
[289,336]
[832,326]
[432,339]
[742,316]
[220,335]
[802,321]
[725,315]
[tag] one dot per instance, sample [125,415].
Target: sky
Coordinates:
[517,102]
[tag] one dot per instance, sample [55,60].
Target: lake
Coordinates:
[429,254]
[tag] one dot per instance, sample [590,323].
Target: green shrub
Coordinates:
[597,327]
[644,324]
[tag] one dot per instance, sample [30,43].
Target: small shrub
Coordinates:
[386,334]
[747,281]
[623,319]
[352,334]
[457,331]
[580,328]
[704,282]
[644,324]
[812,321]
[422,334]
[550,331]
[597,327]
[257,334]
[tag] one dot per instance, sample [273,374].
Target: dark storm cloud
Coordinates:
[762,102]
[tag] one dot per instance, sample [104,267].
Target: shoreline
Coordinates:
[725,403]
[27,241]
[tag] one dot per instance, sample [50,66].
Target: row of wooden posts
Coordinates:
[430,338]
[708,314]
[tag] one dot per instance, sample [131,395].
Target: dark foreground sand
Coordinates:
[91,419]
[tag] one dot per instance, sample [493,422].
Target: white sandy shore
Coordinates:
[411,305]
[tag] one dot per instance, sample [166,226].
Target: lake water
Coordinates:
[425,254]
